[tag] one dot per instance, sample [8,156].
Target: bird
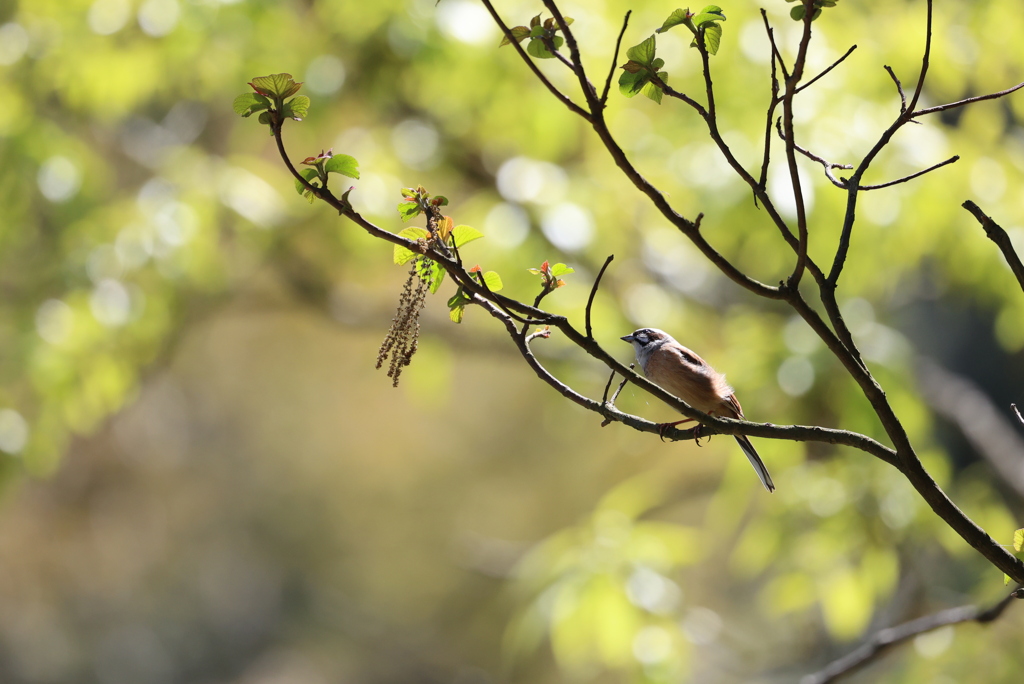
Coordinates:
[681,372]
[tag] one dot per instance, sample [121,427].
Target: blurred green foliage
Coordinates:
[136,209]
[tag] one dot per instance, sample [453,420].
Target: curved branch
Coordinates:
[997,235]
[886,639]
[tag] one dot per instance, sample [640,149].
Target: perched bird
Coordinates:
[678,370]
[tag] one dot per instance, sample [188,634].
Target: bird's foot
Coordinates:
[663,427]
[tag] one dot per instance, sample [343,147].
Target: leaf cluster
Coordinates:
[642,73]
[270,99]
[541,35]
[800,11]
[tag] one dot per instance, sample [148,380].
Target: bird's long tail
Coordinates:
[755,460]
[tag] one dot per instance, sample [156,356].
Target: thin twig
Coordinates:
[776,60]
[622,384]
[830,68]
[828,166]
[887,638]
[899,89]
[615,59]
[607,388]
[906,115]
[507,32]
[925,59]
[999,236]
[954,158]
[970,100]
[593,293]
[1017,412]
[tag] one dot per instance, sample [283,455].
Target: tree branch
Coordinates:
[615,59]
[999,236]
[885,639]
[573,107]
[954,158]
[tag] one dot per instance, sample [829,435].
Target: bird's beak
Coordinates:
[627,338]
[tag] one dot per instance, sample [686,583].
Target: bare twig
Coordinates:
[969,100]
[925,59]
[787,122]
[997,235]
[776,60]
[1020,418]
[828,166]
[593,293]
[885,639]
[615,59]
[608,388]
[899,89]
[954,158]
[830,68]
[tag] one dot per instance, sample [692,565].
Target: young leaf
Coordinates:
[632,83]
[1018,539]
[644,52]
[708,14]
[457,305]
[343,164]
[561,270]
[535,21]
[445,227]
[247,104]
[402,254]
[275,85]
[310,175]
[519,33]
[538,49]
[464,234]
[653,91]
[675,19]
[408,210]
[297,107]
[493,281]
[712,38]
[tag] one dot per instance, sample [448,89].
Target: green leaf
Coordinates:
[457,305]
[540,51]
[675,19]
[310,175]
[343,164]
[654,91]
[632,83]
[493,281]
[644,52]
[404,255]
[709,14]
[265,118]
[535,21]
[712,38]
[275,85]
[408,210]
[247,104]
[296,108]
[1018,539]
[519,33]
[561,270]
[464,234]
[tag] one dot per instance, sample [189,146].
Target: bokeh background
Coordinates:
[204,479]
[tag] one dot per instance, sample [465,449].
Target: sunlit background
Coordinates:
[204,479]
